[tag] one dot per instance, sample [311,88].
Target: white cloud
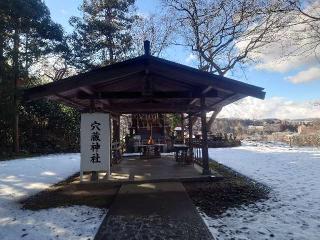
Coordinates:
[308,75]
[275,107]
[191,58]
[273,59]
[296,48]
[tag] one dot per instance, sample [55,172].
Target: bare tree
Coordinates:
[157,28]
[223,33]
[309,9]
[52,67]
[304,26]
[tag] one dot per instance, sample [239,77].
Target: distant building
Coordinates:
[301,121]
[255,129]
[309,129]
[271,128]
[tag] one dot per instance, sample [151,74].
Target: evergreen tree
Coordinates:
[102,36]
[27,33]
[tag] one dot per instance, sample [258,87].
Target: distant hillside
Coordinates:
[249,126]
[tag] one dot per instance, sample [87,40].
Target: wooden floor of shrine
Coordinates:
[134,169]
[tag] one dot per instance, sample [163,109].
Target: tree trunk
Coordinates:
[212,118]
[16,45]
[2,62]
[1,55]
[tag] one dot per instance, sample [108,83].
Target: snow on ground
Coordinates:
[24,177]
[293,210]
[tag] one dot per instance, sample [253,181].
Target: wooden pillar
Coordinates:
[190,130]
[116,128]
[205,154]
[162,123]
[182,128]
[190,137]
[133,125]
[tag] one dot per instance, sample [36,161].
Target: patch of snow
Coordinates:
[167,154]
[131,154]
[24,177]
[293,210]
[138,154]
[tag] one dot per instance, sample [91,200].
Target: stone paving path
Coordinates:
[153,211]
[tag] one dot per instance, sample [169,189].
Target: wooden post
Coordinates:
[190,130]
[190,137]
[162,123]
[115,143]
[116,128]
[205,154]
[182,128]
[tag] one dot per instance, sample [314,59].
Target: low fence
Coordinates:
[212,143]
[197,155]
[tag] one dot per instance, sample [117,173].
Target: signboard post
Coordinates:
[95,143]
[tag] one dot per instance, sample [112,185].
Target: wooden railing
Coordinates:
[197,154]
[196,146]
[215,143]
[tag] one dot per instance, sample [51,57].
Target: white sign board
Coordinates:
[95,142]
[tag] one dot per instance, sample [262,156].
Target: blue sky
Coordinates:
[275,82]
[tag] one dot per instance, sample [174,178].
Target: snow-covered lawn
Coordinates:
[292,212]
[24,177]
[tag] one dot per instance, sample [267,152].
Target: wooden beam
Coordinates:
[69,101]
[169,80]
[194,116]
[207,89]
[146,110]
[88,90]
[121,84]
[105,75]
[190,75]
[219,94]
[155,94]
[227,100]
[150,108]
[193,101]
